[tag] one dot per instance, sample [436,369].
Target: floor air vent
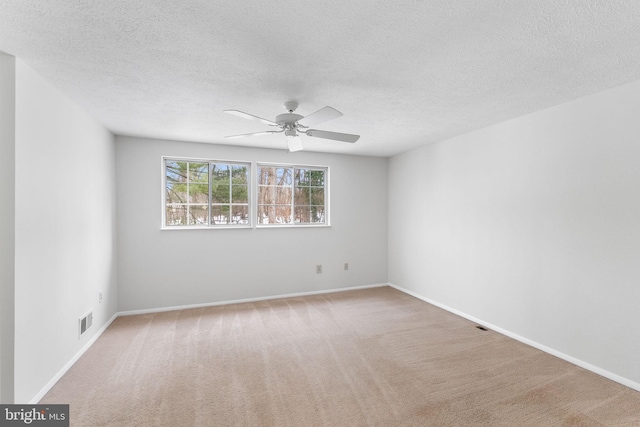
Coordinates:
[84,323]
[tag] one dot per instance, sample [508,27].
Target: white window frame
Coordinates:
[326,169]
[253,188]
[208,226]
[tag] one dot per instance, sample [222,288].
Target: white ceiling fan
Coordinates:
[292,125]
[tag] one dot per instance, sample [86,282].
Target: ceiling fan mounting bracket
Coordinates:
[291,106]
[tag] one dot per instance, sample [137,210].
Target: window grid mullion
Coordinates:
[230,189]
[188,217]
[209,200]
[293,191]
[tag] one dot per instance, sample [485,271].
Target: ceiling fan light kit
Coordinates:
[292,125]
[294,143]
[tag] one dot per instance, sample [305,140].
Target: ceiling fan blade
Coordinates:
[322,115]
[344,137]
[250,117]
[294,143]
[266,132]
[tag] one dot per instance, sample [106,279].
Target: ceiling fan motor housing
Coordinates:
[288,119]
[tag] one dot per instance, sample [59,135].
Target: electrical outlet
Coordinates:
[346,266]
[318,269]
[99,297]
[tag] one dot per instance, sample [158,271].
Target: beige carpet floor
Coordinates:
[374,357]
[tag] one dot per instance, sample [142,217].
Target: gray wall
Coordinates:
[7,224]
[64,230]
[168,268]
[532,226]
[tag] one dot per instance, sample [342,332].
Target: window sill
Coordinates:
[265,226]
[198,227]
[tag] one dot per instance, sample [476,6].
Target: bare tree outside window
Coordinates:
[291,195]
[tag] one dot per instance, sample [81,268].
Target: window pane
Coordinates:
[316,178]
[176,178]
[199,172]
[198,193]
[302,177]
[317,196]
[176,215]
[274,195]
[198,215]
[220,171]
[303,196]
[278,214]
[266,194]
[176,171]
[240,174]
[283,214]
[220,183]
[240,214]
[266,214]
[176,193]
[240,194]
[220,214]
[317,214]
[284,176]
[273,175]
[283,195]
[302,214]
[220,193]
[266,175]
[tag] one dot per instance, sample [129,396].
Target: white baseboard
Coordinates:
[589,367]
[614,377]
[238,301]
[70,363]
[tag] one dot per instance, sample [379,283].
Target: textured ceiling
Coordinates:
[403,72]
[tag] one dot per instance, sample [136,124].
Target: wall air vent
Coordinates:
[84,323]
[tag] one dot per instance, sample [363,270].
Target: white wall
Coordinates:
[7,223]
[533,226]
[172,268]
[64,230]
